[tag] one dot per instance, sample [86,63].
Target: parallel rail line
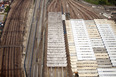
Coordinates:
[76,10]
[12,38]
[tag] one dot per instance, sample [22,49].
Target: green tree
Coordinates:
[7,9]
[102,2]
[112,1]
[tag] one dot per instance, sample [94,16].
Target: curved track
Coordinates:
[12,38]
[76,10]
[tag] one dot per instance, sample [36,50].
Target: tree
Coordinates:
[7,9]
[102,2]
[112,2]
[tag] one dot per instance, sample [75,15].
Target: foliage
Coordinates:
[112,2]
[102,2]
[7,9]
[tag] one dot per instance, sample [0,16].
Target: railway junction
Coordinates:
[57,38]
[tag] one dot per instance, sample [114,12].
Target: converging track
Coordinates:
[74,8]
[11,46]
[76,11]
[12,38]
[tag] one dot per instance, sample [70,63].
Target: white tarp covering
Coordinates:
[109,40]
[56,54]
[82,42]
[71,45]
[107,72]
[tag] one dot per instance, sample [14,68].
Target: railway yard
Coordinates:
[11,40]
[57,38]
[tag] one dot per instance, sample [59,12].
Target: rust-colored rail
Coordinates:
[12,38]
[76,10]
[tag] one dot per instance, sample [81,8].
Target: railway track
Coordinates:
[34,56]
[76,10]
[12,38]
